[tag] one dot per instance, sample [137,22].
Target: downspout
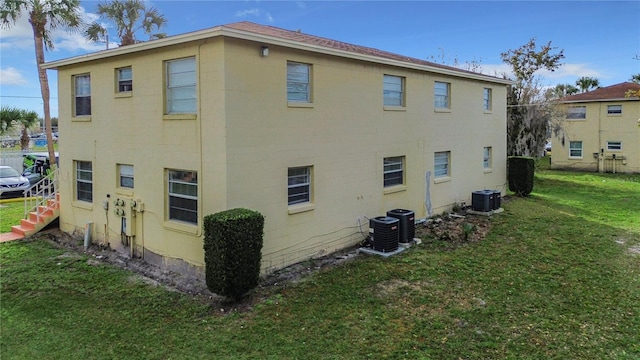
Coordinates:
[200,138]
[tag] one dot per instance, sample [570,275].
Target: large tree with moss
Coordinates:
[530,117]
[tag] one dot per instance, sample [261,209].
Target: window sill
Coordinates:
[487,171]
[82,205]
[395,189]
[124,191]
[575,157]
[293,104]
[300,208]
[81,118]
[127,94]
[442,110]
[576,119]
[394,108]
[182,227]
[488,111]
[442,179]
[614,115]
[179,116]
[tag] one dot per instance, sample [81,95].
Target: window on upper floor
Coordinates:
[442,95]
[486,99]
[486,158]
[614,109]
[82,95]
[577,112]
[298,82]
[182,195]
[125,79]
[614,145]
[393,170]
[125,176]
[393,90]
[181,86]
[299,185]
[575,149]
[442,164]
[84,180]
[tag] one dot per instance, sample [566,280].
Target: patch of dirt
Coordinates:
[453,229]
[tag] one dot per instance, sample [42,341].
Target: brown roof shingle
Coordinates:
[612,92]
[334,44]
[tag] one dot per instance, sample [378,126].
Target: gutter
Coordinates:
[263,39]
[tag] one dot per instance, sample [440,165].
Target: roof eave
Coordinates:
[267,40]
[601,100]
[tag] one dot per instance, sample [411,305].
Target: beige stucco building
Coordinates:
[601,131]
[316,134]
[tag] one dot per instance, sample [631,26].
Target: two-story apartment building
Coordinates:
[601,131]
[316,134]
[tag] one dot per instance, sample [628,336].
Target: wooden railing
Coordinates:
[41,195]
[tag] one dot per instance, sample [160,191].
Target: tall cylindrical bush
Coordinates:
[233,251]
[520,173]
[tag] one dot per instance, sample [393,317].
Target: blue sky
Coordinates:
[600,38]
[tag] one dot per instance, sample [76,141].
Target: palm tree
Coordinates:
[44,16]
[586,83]
[129,16]
[562,90]
[11,117]
[635,78]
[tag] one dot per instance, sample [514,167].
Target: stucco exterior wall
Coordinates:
[246,135]
[595,131]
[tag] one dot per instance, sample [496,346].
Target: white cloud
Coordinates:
[248,12]
[11,76]
[572,71]
[20,36]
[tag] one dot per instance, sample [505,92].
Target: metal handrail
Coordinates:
[41,195]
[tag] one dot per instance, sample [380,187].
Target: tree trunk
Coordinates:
[44,89]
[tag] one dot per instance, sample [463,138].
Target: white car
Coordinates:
[12,183]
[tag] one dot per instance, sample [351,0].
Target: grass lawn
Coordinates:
[556,278]
[10,214]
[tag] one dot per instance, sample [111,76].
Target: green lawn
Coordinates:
[10,214]
[554,279]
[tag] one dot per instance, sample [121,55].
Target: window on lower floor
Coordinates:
[575,149]
[393,170]
[393,90]
[82,95]
[442,164]
[183,195]
[614,145]
[614,109]
[125,176]
[84,181]
[299,185]
[486,162]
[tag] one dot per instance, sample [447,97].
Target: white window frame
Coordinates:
[574,148]
[125,176]
[298,82]
[576,112]
[84,180]
[299,185]
[614,109]
[442,95]
[393,169]
[487,157]
[182,196]
[614,145]
[393,90]
[125,79]
[82,93]
[180,86]
[442,164]
[487,99]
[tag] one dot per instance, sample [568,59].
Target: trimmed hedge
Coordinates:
[233,251]
[520,174]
